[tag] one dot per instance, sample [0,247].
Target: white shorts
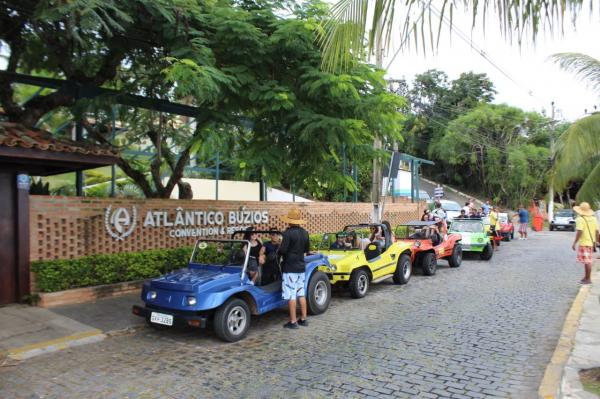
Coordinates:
[292,285]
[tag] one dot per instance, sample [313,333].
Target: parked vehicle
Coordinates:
[424,195]
[564,219]
[474,237]
[452,209]
[356,262]
[215,288]
[507,229]
[427,247]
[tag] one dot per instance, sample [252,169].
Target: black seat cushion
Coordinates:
[373,250]
[270,270]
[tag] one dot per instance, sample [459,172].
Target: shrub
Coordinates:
[62,274]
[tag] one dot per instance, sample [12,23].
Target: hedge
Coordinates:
[62,274]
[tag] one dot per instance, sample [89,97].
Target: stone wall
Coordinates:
[71,227]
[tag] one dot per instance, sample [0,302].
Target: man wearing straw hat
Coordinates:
[294,245]
[587,235]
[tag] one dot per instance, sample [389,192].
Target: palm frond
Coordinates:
[578,152]
[590,189]
[344,34]
[583,66]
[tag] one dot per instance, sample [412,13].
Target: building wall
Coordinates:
[229,190]
[71,227]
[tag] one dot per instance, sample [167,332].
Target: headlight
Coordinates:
[151,295]
[191,300]
[417,244]
[332,268]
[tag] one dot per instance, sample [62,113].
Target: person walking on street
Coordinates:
[494,227]
[587,235]
[523,222]
[294,245]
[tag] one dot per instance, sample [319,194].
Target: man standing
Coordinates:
[438,192]
[294,245]
[486,208]
[587,235]
[523,222]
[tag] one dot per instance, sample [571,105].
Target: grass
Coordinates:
[590,379]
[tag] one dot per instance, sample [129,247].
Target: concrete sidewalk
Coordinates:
[27,331]
[586,349]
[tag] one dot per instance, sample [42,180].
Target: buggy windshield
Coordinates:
[564,213]
[466,226]
[220,252]
[352,238]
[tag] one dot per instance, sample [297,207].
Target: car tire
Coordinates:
[487,253]
[456,258]
[429,264]
[551,228]
[512,235]
[359,283]
[232,320]
[403,270]
[319,293]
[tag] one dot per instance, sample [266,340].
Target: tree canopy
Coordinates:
[262,100]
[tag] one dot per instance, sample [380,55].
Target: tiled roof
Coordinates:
[17,135]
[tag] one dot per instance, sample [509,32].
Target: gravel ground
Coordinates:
[484,330]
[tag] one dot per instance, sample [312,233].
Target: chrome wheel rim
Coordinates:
[363,283]
[236,321]
[321,293]
[406,269]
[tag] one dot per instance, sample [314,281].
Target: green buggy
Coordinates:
[474,236]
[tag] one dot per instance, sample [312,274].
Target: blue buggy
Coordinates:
[215,288]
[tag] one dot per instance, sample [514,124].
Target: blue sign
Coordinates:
[23,182]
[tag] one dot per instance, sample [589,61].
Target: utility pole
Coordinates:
[550,187]
[377,145]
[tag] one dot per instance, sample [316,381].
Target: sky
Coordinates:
[538,80]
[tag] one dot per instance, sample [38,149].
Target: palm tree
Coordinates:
[422,21]
[578,148]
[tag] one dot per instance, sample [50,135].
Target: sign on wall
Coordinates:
[120,222]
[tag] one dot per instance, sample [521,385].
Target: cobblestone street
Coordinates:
[484,330]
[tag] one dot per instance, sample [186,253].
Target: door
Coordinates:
[8,239]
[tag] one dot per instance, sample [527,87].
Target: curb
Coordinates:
[550,387]
[53,345]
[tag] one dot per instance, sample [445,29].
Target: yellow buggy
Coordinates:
[356,261]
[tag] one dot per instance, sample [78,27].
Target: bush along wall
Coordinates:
[62,274]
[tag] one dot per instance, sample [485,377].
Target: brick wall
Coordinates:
[71,227]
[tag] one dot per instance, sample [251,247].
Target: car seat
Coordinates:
[270,270]
[373,250]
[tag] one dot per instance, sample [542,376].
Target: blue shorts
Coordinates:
[292,285]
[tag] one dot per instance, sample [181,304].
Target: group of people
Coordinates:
[350,240]
[291,246]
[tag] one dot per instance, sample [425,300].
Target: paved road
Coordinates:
[486,329]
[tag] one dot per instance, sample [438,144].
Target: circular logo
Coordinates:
[120,223]
[202,245]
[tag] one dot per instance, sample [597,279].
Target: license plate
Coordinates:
[161,318]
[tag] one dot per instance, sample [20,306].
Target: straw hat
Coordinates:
[584,209]
[293,217]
